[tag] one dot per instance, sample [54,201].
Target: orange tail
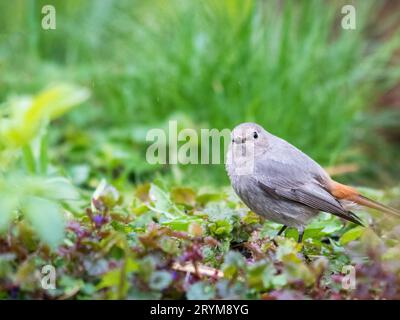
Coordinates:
[344,192]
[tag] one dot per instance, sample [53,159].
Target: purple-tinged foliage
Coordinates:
[220,251]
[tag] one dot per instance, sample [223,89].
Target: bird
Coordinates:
[279,182]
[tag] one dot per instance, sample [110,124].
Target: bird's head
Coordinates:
[248,142]
[249,134]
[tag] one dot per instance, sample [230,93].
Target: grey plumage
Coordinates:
[282,184]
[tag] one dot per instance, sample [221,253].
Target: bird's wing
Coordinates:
[300,185]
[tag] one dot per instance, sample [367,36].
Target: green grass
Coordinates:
[286,65]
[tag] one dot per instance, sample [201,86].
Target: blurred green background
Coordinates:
[287,65]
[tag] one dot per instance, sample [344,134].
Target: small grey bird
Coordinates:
[279,182]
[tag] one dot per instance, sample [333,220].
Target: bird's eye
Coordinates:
[255,135]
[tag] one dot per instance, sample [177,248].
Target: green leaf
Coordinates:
[200,291]
[59,188]
[279,280]
[351,235]
[29,158]
[251,218]
[107,194]
[233,263]
[61,98]
[184,196]
[110,279]
[324,224]
[131,265]
[220,228]
[46,218]
[181,223]
[160,280]
[209,197]
[29,114]
[43,154]
[160,198]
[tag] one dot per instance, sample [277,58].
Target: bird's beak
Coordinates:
[239,140]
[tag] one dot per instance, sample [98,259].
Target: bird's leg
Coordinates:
[301,234]
[281,230]
[284,227]
[300,240]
